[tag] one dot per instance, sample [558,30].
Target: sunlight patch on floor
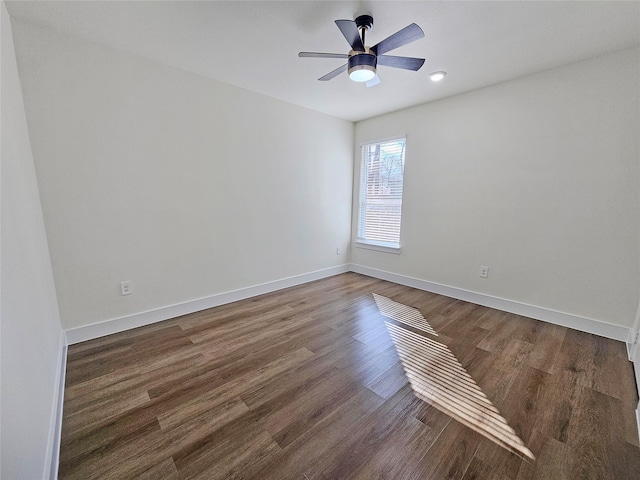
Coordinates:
[437,377]
[403,314]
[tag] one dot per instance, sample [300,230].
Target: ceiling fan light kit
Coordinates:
[363,61]
[362,66]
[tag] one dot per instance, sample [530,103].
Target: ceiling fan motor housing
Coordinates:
[362,61]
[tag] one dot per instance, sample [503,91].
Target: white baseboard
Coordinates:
[632,344]
[55,424]
[120,324]
[575,322]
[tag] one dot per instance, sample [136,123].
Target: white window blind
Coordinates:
[381,182]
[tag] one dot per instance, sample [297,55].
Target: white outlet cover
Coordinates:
[126,288]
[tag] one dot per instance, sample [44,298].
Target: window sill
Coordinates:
[379,247]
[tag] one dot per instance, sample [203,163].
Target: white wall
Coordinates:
[186,186]
[536,178]
[30,325]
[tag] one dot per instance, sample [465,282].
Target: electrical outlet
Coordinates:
[126,288]
[484,272]
[338,250]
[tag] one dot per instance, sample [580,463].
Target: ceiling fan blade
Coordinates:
[334,73]
[408,63]
[373,82]
[350,31]
[322,55]
[408,34]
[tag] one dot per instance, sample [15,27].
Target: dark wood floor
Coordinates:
[306,383]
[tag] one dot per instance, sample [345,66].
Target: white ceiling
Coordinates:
[254,45]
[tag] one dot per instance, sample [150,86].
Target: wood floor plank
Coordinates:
[77,453]
[244,360]
[165,470]
[591,358]
[522,407]
[300,414]
[478,470]
[554,459]
[126,458]
[89,417]
[406,440]
[389,382]
[391,431]
[233,388]
[595,434]
[306,383]
[237,332]
[225,450]
[92,392]
[450,455]
[548,340]
[315,447]
[287,384]
[168,351]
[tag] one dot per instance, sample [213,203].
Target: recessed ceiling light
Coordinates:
[437,76]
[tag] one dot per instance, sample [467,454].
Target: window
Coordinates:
[381,181]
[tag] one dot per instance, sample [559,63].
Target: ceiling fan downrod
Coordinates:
[364,24]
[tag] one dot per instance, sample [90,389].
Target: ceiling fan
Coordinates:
[362,61]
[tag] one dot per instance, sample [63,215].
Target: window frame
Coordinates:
[362,242]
